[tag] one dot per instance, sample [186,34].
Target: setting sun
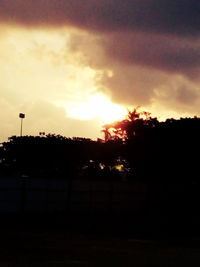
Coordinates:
[97,106]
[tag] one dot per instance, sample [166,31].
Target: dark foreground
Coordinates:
[56,248]
[42,243]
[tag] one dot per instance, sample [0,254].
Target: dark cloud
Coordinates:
[150,33]
[162,16]
[157,51]
[133,65]
[133,85]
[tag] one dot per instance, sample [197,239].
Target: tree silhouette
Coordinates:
[158,150]
[154,151]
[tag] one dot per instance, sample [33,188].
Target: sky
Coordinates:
[73,65]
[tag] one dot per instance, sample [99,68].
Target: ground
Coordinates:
[61,247]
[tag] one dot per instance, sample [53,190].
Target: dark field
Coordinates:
[59,246]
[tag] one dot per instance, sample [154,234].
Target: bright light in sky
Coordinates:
[43,79]
[97,106]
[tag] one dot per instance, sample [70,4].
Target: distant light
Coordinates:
[21,115]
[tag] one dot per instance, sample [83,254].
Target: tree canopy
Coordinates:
[140,145]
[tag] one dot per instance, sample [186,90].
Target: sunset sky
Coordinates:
[73,65]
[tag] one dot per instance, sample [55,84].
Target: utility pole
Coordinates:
[21,116]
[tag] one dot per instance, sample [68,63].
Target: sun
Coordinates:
[97,106]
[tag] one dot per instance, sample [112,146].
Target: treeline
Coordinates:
[159,150]
[138,148]
[58,156]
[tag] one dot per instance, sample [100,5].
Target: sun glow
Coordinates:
[42,77]
[97,106]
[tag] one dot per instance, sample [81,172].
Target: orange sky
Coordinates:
[70,70]
[43,79]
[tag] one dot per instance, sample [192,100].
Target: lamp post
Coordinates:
[21,116]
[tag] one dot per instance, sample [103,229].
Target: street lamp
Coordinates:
[21,116]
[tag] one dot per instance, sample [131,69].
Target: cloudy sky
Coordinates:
[73,65]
